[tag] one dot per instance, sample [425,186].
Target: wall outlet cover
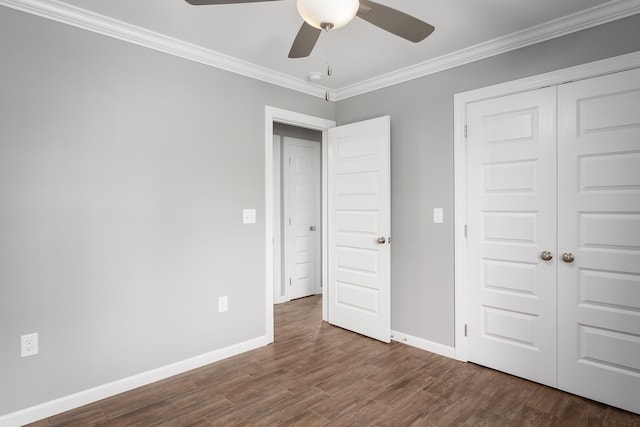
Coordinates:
[248,216]
[28,345]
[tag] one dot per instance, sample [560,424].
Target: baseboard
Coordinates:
[421,343]
[94,394]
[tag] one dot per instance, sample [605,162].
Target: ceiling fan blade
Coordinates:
[394,21]
[210,2]
[305,41]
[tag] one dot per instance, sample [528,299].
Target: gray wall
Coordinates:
[422,296]
[123,175]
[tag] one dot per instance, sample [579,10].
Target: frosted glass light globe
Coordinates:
[337,13]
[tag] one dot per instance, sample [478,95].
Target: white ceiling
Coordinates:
[261,33]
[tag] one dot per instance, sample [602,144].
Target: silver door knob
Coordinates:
[312,228]
[381,240]
[546,256]
[568,257]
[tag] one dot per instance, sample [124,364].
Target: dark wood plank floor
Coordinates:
[318,375]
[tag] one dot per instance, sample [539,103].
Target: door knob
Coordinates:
[546,255]
[381,240]
[568,257]
[312,228]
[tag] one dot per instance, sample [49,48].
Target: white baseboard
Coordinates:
[421,343]
[94,394]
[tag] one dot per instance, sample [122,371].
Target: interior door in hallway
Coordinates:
[511,161]
[302,218]
[599,239]
[359,255]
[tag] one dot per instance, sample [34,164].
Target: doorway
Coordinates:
[273,117]
[356,265]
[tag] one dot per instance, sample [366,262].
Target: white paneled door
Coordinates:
[511,222]
[302,217]
[553,238]
[599,239]
[359,228]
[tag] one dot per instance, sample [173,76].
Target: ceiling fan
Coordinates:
[327,15]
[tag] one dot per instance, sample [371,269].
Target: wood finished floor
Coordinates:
[318,375]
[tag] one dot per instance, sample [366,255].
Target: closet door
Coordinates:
[511,158]
[599,239]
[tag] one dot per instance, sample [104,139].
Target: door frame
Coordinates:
[554,78]
[273,114]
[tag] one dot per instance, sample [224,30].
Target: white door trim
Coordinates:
[580,72]
[272,115]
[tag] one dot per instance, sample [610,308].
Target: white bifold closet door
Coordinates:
[554,236]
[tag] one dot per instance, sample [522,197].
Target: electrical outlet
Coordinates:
[28,345]
[223,304]
[248,216]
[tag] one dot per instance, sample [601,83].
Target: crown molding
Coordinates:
[87,20]
[611,11]
[81,18]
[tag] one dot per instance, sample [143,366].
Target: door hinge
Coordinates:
[465,131]
[465,329]
[289,220]
[289,281]
[465,231]
[289,160]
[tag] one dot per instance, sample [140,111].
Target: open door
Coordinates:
[359,223]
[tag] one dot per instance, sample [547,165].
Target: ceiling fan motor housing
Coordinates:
[327,14]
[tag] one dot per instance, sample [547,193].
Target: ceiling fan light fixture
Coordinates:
[327,14]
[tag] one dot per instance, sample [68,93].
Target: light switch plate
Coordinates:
[223,304]
[248,216]
[438,215]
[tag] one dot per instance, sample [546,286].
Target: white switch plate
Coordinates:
[223,304]
[438,215]
[248,216]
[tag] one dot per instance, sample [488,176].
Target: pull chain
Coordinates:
[328,63]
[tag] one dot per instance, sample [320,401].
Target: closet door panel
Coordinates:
[599,230]
[511,161]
